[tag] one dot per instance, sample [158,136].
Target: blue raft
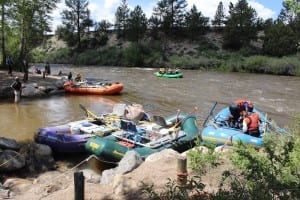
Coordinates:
[217,130]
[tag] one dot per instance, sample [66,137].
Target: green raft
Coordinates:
[146,138]
[169,75]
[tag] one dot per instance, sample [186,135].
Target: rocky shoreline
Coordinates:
[34,174]
[36,86]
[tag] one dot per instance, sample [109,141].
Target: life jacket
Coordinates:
[242,104]
[252,121]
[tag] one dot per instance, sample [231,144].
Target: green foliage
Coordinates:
[62,55]
[219,18]
[241,26]
[269,65]
[280,40]
[133,56]
[205,45]
[170,16]
[66,35]
[173,191]
[107,57]
[137,24]
[201,161]
[271,172]
[295,126]
[121,21]
[188,62]
[196,23]
[76,18]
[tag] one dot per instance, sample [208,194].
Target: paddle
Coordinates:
[89,113]
[162,122]
[210,113]
[104,119]
[275,128]
[183,119]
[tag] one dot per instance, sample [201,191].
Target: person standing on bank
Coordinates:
[9,62]
[47,68]
[17,86]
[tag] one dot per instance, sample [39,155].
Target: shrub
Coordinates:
[133,56]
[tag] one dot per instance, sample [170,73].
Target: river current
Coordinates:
[276,95]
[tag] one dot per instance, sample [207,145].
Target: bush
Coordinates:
[62,55]
[270,173]
[133,56]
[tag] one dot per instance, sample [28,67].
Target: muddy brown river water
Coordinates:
[279,96]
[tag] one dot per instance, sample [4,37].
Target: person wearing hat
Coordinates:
[17,86]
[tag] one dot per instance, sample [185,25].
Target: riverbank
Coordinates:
[205,53]
[121,182]
[36,86]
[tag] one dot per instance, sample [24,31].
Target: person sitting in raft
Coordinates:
[251,123]
[177,70]
[244,105]
[169,71]
[162,70]
[78,78]
[235,118]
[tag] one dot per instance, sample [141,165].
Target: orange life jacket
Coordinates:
[252,121]
[241,103]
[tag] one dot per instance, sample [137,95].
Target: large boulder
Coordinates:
[6,143]
[31,90]
[6,92]
[129,162]
[38,157]
[11,160]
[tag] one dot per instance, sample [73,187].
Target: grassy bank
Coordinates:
[203,55]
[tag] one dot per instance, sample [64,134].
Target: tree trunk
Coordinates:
[3,37]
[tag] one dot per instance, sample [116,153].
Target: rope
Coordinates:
[80,163]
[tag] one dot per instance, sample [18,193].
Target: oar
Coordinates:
[210,113]
[274,127]
[103,119]
[179,122]
[88,113]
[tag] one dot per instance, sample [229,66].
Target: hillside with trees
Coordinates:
[173,36]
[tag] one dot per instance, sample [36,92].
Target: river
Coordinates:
[276,95]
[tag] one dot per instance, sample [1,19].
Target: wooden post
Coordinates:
[181,171]
[79,185]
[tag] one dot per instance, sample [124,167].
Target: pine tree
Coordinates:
[219,18]
[196,23]
[137,24]
[121,20]
[240,26]
[75,17]
[279,40]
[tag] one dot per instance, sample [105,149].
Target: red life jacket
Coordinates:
[252,121]
[241,103]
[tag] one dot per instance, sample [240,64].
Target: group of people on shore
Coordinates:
[47,70]
[243,117]
[17,84]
